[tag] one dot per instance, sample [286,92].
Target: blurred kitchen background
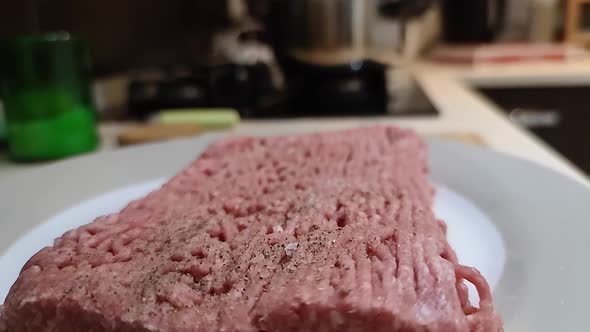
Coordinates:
[163,69]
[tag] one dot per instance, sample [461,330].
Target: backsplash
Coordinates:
[124,34]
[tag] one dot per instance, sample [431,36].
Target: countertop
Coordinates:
[462,110]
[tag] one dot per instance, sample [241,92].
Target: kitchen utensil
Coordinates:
[333,26]
[472,21]
[45,87]
[539,216]
[206,118]
[324,24]
[324,49]
[140,134]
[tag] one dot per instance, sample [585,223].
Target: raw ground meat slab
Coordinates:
[322,232]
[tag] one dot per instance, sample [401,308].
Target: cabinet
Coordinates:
[559,115]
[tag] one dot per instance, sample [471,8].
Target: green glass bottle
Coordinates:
[2,126]
[45,88]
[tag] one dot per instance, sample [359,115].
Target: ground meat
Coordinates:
[323,232]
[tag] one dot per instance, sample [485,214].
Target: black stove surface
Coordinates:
[362,89]
[404,97]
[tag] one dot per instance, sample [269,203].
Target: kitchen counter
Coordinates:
[453,90]
[462,110]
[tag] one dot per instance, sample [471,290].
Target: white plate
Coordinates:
[523,226]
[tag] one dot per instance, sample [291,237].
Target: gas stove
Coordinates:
[365,90]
